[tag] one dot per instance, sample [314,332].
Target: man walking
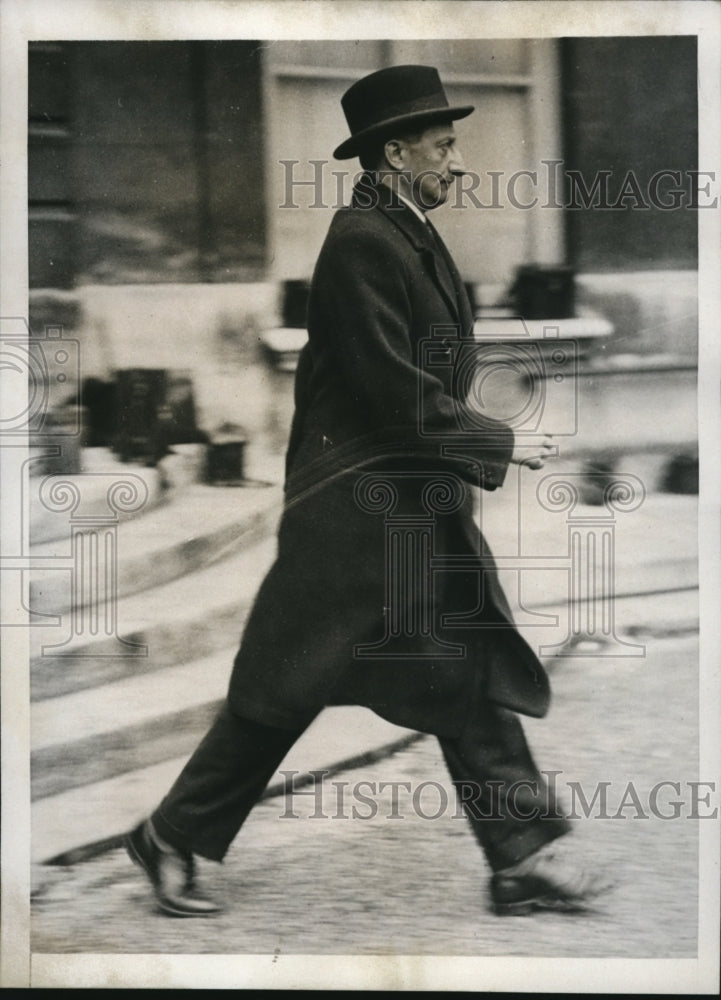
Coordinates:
[343,617]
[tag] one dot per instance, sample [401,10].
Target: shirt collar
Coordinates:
[421,215]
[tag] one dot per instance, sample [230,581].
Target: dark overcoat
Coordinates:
[382,460]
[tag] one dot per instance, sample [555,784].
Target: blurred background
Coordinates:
[167,237]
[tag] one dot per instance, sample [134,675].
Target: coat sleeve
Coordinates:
[361,292]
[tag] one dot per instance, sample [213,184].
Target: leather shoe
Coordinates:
[171,872]
[546,881]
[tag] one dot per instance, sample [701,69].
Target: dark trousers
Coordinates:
[506,799]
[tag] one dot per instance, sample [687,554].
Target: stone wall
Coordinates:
[653,312]
[209,331]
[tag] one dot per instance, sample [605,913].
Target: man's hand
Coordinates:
[533,450]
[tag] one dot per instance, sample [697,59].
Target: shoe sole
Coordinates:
[525,907]
[166,908]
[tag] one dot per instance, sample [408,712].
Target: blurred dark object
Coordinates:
[140,414]
[226,456]
[542,292]
[598,475]
[155,408]
[295,303]
[99,399]
[681,475]
[180,404]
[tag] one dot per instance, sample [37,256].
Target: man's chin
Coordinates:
[430,201]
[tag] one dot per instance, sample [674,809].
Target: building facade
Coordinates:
[175,186]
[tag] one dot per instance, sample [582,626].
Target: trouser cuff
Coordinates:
[522,843]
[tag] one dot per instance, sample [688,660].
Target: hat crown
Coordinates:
[392,93]
[390,98]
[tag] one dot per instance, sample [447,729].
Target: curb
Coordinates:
[152,566]
[94,849]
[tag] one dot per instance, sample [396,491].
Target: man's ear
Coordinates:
[393,152]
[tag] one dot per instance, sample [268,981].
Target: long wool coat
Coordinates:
[348,612]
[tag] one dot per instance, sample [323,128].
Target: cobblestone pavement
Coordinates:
[416,885]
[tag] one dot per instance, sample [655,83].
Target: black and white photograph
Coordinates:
[359,433]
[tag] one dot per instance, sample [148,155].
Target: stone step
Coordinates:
[99,468]
[202,525]
[186,619]
[101,732]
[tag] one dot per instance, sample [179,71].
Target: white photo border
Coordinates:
[22,21]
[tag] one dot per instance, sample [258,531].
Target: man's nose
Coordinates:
[457,166]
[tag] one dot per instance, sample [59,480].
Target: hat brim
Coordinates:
[351,147]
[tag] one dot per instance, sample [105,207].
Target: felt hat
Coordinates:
[397,96]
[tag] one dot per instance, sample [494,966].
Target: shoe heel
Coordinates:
[131,851]
[135,854]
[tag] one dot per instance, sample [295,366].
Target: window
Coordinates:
[152,154]
[631,109]
[512,84]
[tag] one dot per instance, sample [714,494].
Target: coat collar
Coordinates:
[371,193]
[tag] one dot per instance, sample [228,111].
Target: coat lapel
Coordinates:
[465,311]
[438,264]
[423,237]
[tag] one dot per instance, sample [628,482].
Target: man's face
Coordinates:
[432,160]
